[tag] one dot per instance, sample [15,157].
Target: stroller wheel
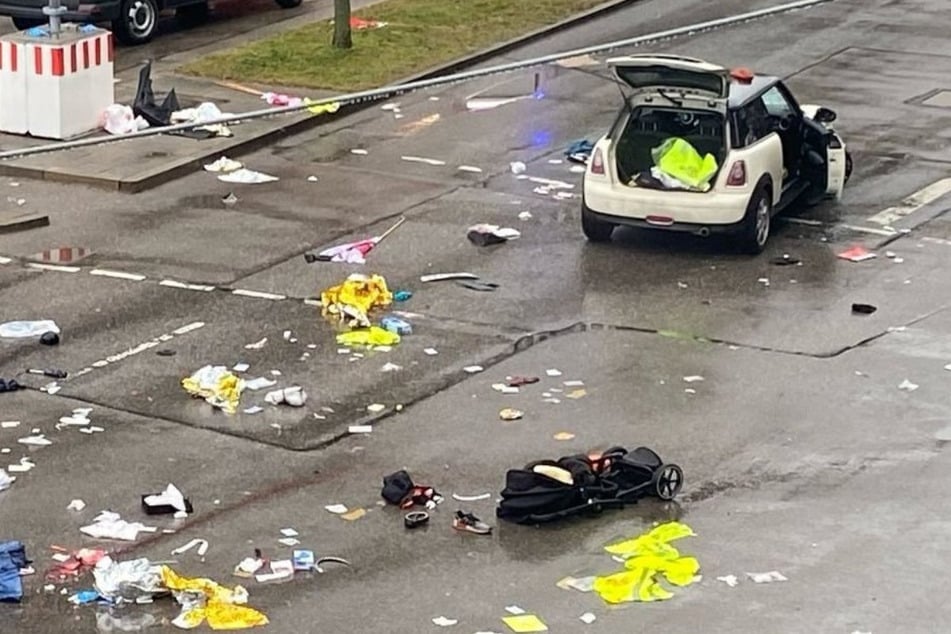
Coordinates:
[668,479]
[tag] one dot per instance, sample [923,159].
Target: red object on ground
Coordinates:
[360,24]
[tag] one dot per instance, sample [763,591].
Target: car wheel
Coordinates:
[193,14]
[288,4]
[137,21]
[595,230]
[24,24]
[757,221]
[848,166]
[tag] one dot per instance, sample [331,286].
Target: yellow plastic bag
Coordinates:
[677,158]
[221,608]
[322,108]
[224,616]
[654,542]
[372,336]
[355,297]
[217,386]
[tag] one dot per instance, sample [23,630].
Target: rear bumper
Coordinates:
[680,227]
[633,205]
[98,12]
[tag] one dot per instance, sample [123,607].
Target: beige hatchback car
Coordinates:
[769,152]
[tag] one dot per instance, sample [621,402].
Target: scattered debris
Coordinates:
[442,277]
[579,151]
[337,509]
[259,383]
[217,385]
[229,200]
[470,168]
[564,435]
[169,501]
[856,254]
[576,394]
[359,152]
[514,609]
[12,561]
[908,386]
[224,164]
[352,252]
[517,167]
[353,515]
[109,525]
[431,352]
[588,618]
[352,300]
[473,369]
[471,498]
[511,414]
[486,234]
[469,523]
[257,345]
[518,381]
[442,621]
[295,396]
[786,260]
[729,580]
[693,378]
[525,623]
[478,285]
[415,519]
[391,367]
[553,372]
[766,577]
[376,408]
[863,309]
[360,429]
[420,159]
[202,545]
[247,177]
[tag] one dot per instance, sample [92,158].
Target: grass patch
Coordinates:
[420,34]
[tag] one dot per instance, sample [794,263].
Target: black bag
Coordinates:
[397,487]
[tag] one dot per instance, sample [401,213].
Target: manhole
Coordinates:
[61,255]
[940,99]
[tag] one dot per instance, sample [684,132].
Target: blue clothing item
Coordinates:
[12,559]
[584,146]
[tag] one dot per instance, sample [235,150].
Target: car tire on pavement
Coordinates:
[288,4]
[595,230]
[24,24]
[192,14]
[137,21]
[758,221]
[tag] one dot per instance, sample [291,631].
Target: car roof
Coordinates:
[741,93]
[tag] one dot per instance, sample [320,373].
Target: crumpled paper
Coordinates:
[647,558]
[217,385]
[171,496]
[204,600]
[294,396]
[355,297]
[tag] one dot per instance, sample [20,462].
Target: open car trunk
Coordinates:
[648,127]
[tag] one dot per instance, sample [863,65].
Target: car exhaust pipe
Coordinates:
[703,232]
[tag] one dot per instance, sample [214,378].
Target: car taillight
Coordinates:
[597,162]
[737,177]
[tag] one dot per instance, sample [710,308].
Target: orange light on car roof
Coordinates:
[744,75]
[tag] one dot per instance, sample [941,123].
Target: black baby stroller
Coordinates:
[549,490]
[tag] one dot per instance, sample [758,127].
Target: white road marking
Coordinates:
[120,275]
[187,287]
[142,347]
[312,302]
[913,203]
[258,294]
[941,241]
[54,267]
[420,159]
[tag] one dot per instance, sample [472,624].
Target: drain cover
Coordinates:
[941,99]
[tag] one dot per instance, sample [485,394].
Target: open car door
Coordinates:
[824,162]
[673,74]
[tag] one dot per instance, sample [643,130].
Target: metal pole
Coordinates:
[55,12]
[398,89]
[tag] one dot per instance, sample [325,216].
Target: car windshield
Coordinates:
[648,127]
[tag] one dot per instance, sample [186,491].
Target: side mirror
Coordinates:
[824,115]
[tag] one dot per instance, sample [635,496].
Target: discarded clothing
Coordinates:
[399,489]
[205,112]
[648,558]
[9,385]
[355,297]
[5,480]
[12,560]
[217,385]
[109,525]
[76,564]
[677,158]
[203,599]
[579,151]
[372,336]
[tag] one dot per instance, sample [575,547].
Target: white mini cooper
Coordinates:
[769,152]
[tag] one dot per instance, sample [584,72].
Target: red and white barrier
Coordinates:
[55,87]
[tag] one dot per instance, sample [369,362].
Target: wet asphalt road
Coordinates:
[801,453]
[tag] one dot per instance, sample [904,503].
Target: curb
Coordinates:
[254,143]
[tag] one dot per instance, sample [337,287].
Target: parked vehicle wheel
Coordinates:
[595,230]
[193,14]
[137,21]
[848,166]
[23,24]
[288,4]
[757,221]
[668,480]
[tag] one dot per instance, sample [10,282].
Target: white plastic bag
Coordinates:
[22,329]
